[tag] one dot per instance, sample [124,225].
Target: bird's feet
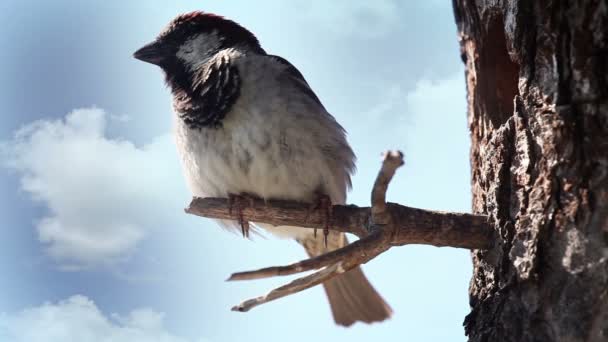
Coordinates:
[323,203]
[240,202]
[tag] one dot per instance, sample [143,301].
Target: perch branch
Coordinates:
[413,226]
[379,228]
[359,251]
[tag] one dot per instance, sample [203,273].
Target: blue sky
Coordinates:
[98,245]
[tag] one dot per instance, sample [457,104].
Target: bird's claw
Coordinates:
[323,202]
[240,202]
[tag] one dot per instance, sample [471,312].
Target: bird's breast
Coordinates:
[252,152]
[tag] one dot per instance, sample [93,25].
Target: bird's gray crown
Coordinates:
[189,25]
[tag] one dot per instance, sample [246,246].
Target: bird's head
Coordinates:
[191,39]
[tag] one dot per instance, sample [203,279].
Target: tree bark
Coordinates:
[537,81]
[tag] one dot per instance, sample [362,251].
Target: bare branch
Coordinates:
[295,286]
[348,219]
[358,250]
[391,161]
[380,227]
[413,226]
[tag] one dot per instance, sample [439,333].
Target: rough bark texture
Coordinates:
[537,79]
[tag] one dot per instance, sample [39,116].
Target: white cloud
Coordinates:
[79,319]
[392,102]
[369,19]
[426,122]
[438,127]
[442,97]
[103,195]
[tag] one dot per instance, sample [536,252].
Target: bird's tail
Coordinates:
[351,297]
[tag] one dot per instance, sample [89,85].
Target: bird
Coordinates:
[247,124]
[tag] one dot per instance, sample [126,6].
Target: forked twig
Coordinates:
[352,251]
[340,260]
[295,286]
[391,161]
[380,227]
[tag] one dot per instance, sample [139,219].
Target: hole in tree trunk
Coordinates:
[499,84]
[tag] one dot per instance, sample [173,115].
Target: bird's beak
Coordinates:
[151,53]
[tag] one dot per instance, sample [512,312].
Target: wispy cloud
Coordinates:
[431,100]
[427,122]
[368,19]
[439,96]
[79,319]
[103,195]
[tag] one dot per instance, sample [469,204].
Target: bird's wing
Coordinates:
[327,132]
[297,78]
[352,298]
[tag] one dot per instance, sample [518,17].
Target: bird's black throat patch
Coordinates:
[203,98]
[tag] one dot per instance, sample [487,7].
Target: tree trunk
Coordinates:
[537,80]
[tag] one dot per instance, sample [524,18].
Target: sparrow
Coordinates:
[246,123]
